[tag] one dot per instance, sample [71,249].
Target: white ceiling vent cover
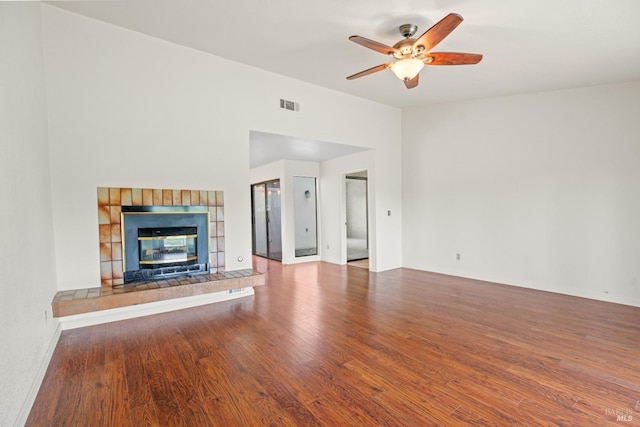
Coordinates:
[289,105]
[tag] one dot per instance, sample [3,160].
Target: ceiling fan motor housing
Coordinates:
[405,49]
[408,30]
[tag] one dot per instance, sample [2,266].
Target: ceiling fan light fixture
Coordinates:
[406,69]
[411,54]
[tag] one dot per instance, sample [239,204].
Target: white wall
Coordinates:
[27,260]
[537,190]
[128,110]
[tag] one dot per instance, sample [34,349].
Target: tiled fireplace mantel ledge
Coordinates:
[79,301]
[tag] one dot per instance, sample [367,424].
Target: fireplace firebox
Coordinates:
[167,246]
[164,241]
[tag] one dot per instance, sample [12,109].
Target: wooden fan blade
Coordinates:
[373,45]
[370,71]
[452,58]
[438,32]
[410,84]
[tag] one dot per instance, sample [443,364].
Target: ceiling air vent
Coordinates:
[289,105]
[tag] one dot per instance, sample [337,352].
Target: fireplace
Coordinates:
[164,241]
[112,201]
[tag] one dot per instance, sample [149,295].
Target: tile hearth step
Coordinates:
[77,301]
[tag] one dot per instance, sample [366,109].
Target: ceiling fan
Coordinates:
[413,54]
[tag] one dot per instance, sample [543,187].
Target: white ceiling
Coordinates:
[265,148]
[528,45]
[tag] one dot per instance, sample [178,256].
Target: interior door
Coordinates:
[259,220]
[267,220]
[274,221]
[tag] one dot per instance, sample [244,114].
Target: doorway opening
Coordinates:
[267,219]
[357,215]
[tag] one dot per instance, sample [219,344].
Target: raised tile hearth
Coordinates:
[78,301]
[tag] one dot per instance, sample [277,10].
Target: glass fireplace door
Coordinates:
[161,247]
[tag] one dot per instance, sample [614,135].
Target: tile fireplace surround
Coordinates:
[110,202]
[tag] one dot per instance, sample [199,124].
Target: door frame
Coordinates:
[350,175]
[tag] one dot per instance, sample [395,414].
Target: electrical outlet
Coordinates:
[46,315]
[458,257]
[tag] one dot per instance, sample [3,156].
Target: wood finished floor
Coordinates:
[322,344]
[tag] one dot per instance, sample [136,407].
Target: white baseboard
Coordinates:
[37,381]
[123,313]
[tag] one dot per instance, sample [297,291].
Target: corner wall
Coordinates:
[537,190]
[27,329]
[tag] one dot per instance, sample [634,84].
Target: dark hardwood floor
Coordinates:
[329,345]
